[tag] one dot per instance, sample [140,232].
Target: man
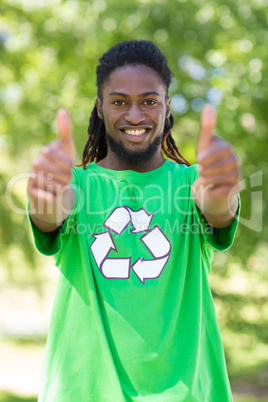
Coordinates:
[133,237]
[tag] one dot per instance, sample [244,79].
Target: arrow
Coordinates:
[116,268]
[118,220]
[101,246]
[156,242]
[140,220]
[149,269]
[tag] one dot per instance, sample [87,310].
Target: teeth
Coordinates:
[135,132]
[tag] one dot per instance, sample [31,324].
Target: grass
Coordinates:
[9,397]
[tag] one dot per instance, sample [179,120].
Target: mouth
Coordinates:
[135,134]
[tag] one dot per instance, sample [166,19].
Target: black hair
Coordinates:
[129,53]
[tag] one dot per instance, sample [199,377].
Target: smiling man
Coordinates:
[133,230]
[134,106]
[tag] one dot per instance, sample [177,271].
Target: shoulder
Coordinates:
[79,172]
[183,172]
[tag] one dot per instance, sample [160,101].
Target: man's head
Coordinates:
[134,107]
[132,54]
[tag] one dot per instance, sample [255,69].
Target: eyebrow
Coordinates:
[126,96]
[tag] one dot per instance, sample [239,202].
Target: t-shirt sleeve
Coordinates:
[50,243]
[219,239]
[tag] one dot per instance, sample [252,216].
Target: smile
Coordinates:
[135,132]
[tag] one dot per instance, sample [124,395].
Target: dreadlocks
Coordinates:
[123,54]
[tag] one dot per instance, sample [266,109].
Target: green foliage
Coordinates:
[218,53]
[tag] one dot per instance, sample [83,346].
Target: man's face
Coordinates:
[134,108]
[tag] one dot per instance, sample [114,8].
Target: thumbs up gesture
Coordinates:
[65,136]
[51,196]
[215,191]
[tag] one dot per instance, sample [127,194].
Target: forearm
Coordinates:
[225,218]
[219,212]
[50,217]
[43,226]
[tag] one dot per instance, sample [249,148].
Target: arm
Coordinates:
[51,196]
[215,192]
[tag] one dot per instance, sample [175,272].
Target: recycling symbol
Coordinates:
[153,239]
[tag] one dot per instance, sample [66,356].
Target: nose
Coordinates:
[134,114]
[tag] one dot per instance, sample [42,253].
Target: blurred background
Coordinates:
[218,53]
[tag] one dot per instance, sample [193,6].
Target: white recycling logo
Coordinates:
[154,240]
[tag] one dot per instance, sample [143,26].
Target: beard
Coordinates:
[133,158]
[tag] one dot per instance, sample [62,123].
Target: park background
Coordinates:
[218,53]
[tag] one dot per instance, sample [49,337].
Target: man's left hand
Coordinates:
[215,190]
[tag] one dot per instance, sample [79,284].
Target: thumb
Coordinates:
[208,122]
[65,132]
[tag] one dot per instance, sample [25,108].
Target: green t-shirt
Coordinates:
[133,318]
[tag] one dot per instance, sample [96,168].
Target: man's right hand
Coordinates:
[51,196]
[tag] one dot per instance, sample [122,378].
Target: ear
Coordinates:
[99,108]
[168,106]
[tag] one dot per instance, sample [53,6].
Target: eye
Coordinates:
[118,103]
[150,102]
